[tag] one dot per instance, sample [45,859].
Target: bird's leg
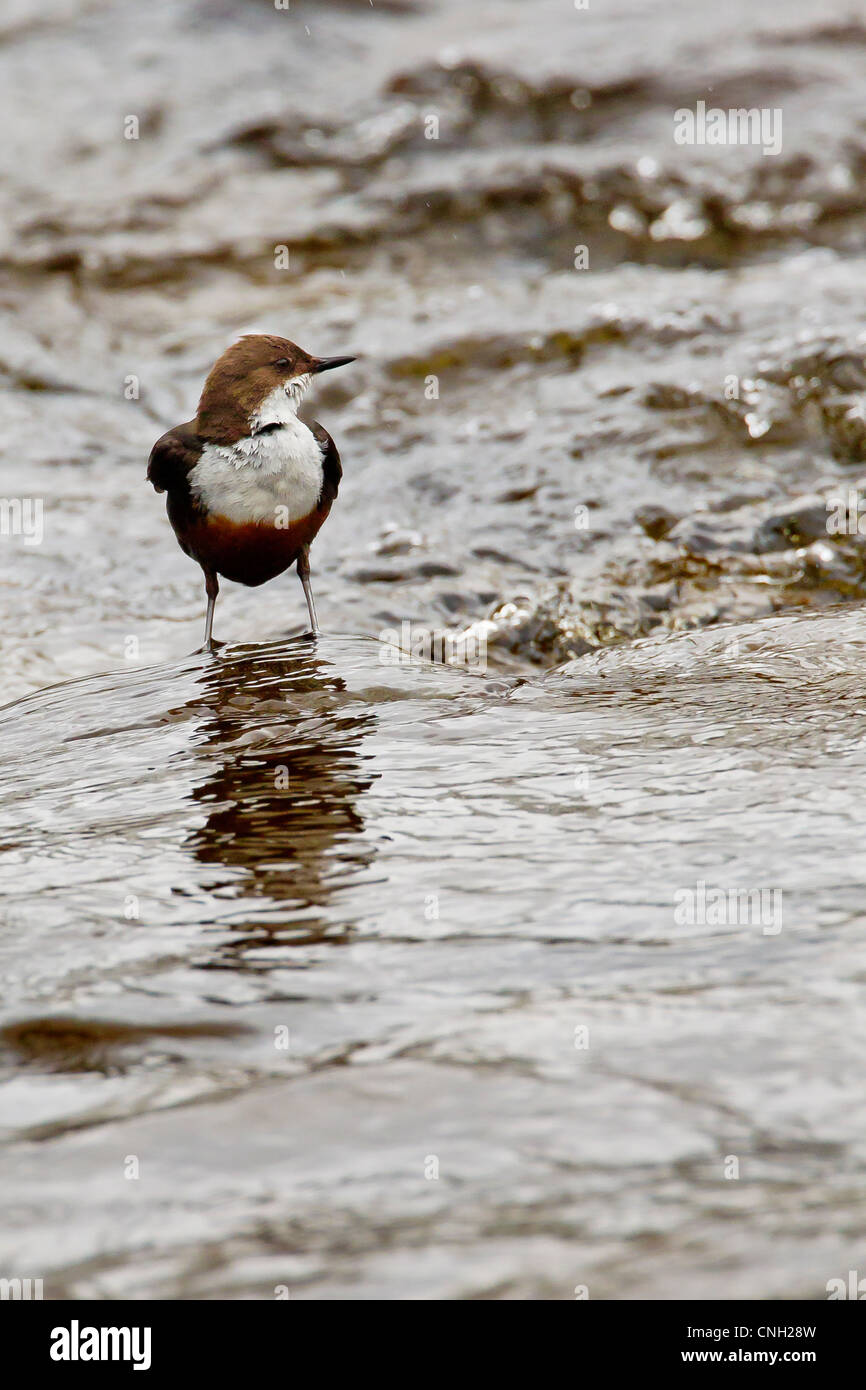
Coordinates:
[304,576]
[211,588]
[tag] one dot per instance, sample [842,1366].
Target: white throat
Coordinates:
[273,477]
[280,406]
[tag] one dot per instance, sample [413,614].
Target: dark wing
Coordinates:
[332,469]
[172,457]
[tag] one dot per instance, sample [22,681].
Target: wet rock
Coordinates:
[845,425]
[803,520]
[656,521]
[661,395]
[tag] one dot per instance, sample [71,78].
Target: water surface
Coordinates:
[367,979]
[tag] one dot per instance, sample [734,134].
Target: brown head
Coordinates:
[255,381]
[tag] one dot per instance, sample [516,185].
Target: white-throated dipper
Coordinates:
[249,484]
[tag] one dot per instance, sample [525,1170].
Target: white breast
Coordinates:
[263,476]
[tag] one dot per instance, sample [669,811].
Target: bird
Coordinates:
[248,483]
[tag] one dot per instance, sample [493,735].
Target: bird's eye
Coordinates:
[283,362]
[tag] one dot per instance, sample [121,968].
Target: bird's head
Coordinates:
[257,383]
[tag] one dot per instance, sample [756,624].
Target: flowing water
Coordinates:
[338,971]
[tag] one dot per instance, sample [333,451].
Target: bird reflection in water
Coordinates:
[280,741]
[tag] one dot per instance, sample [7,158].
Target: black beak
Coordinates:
[326,364]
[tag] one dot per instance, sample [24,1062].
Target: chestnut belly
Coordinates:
[247,552]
